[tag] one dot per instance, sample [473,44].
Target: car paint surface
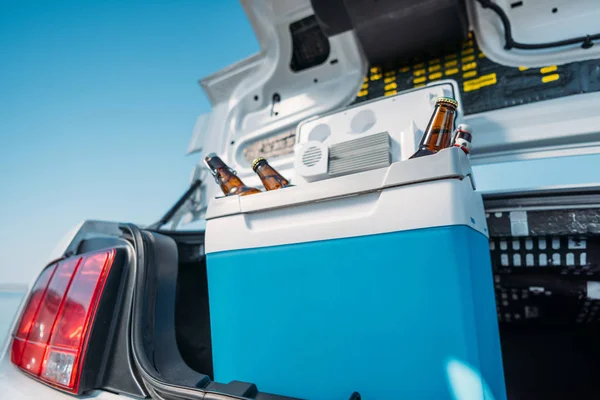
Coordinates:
[14,384]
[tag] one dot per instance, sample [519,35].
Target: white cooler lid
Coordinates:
[451,163]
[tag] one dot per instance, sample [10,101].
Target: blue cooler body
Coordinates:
[387,292]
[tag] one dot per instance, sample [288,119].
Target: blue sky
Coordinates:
[97,104]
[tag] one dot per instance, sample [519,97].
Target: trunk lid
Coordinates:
[522,104]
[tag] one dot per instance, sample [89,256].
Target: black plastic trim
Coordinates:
[552,197]
[119,374]
[161,290]
[389,29]
[106,365]
[310,46]
[332,16]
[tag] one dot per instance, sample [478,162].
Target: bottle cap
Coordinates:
[256,162]
[464,128]
[446,100]
[206,160]
[213,162]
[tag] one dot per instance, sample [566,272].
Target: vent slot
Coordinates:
[358,155]
[311,156]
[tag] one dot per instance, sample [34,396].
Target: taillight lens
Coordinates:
[50,340]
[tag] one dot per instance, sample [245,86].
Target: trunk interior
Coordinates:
[547,311]
[192,318]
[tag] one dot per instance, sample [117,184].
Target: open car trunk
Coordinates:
[314,59]
[545,249]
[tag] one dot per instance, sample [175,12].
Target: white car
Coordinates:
[123,311]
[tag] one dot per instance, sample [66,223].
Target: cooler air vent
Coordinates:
[311,160]
[311,156]
[358,155]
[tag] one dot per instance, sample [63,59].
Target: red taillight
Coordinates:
[51,338]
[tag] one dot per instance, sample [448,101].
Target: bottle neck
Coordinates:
[229,182]
[464,135]
[225,176]
[438,134]
[270,178]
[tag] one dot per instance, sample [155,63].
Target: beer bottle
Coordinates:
[438,134]
[270,178]
[463,137]
[226,177]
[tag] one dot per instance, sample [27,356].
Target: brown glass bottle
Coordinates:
[226,178]
[438,134]
[270,178]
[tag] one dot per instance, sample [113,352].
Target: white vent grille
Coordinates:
[358,155]
[311,156]
[311,160]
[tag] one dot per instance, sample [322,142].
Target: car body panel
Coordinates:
[14,384]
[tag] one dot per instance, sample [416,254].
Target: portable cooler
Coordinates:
[377,282]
